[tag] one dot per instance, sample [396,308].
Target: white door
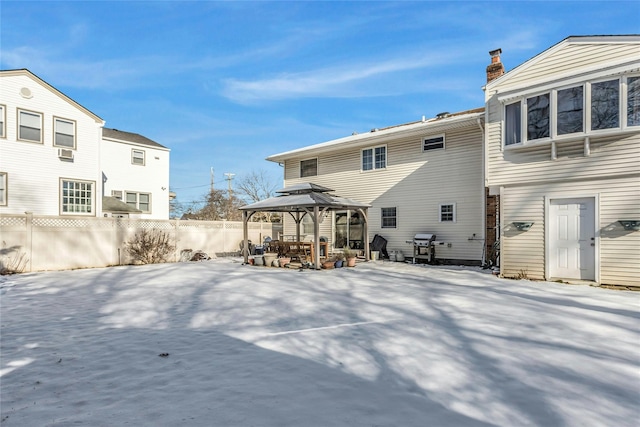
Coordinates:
[572,251]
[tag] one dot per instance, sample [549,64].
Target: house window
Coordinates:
[433,143]
[570,110]
[374,158]
[389,218]
[3,120]
[29,126]
[139,201]
[76,197]
[448,212]
[633,101]
[307,224]
[513,124]
[349,230]
[3,189]
[605,105]
[308,168]
[538,117]
[64,133]
[137,157]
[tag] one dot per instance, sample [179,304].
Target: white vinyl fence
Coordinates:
[60,243]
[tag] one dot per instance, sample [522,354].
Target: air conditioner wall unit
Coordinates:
[117,194]
[63,153]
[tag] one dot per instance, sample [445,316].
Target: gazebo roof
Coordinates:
[301,198]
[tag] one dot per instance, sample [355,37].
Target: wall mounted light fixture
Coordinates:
[522,225]
[630,224]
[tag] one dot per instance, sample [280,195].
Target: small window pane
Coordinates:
[3,189]
[633,101]
[433,143]
[513,125]
[538,117]
[309,167]
[2,133]
[605,103]
[570,110]
[137,157]
[389,219]
[367,159]
[446,213]
[381,157]
[30,126]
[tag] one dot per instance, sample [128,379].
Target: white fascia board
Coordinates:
[381,136]
[560,45]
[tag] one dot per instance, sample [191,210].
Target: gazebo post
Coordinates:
[366,233]
[316,234]
[298,220]
[245,231]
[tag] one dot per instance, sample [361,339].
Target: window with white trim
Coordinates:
[140,201]
[3,189]
[448,212]
[389,218]
[137,157]
[374,158]
[29,126]
[433,143]
[76,197]
[3,121]
[633,101]
[308,168]
[64,133]
[584,109]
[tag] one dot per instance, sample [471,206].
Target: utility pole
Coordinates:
[229,177]
[212,179]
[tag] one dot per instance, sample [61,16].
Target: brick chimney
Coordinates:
[495,69]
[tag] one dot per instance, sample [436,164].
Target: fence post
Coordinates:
[29,237]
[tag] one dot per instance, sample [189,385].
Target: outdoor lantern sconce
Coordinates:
[630,224]
[522,225]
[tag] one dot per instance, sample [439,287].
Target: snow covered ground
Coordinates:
[216,343]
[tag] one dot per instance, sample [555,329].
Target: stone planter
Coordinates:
[351,262]
[269,258]
[284,262]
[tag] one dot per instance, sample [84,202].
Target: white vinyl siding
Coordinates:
[64,133]
[618,249]
[29,126]
[413,182]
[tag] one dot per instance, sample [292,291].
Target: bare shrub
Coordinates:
[12,260]
[150,247]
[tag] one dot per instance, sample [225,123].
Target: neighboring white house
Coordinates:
[421,177]
[54,157]
[135,171]
[49,150]
[563,153]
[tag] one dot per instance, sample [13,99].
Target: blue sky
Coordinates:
[226,84]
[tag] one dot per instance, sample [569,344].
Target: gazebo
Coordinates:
[300,200]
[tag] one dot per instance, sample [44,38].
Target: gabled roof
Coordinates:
[25,72]
[119,135]
[444,121]
[571,40]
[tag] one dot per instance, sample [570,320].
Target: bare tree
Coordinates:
[256,186]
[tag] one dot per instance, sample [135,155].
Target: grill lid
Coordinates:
[424,236]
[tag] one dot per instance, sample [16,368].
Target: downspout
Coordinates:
[484,192]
